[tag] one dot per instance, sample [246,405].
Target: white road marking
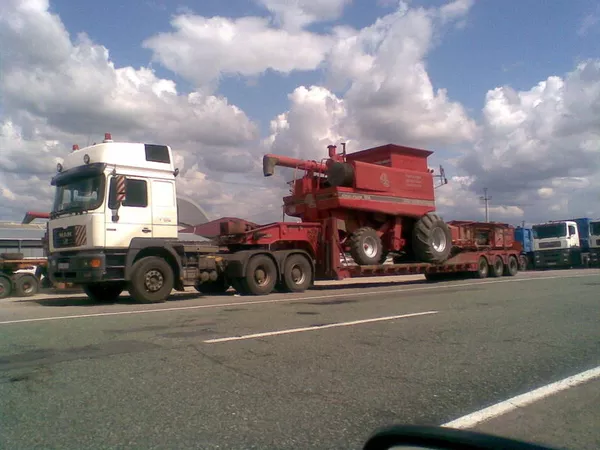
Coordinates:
[316,327]
[286,300]
[522,400]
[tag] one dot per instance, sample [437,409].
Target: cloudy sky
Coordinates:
[506,93]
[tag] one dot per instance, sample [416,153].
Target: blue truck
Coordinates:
[562,243]
[524,235]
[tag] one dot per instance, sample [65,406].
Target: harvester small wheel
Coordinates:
[152,280]
[261,276]
[366,247]
[26,285]
[297,274]
[432,239]
[483,267]
[512,267]
[5,286]
[103,292]
[497,268]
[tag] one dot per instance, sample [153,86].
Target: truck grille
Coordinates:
[73,236]
[552,244]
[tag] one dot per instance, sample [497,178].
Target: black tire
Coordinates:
[103,292]
[483,268]
[261,276]
[432,239]
[366,248]
[5,286]
[497,267]
[26,285]
[297,274]
[152,280]
[523,263]
[512,268]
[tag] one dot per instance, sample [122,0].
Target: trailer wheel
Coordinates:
[152,280]
[512,267]
[26,285]
[297,274]
[5,286]
[497,267]
[432,239]
[483,268]
[261,276]
[366,248]
[103,292]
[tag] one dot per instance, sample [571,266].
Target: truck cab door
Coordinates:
[573,236]
[164,209]
[132,217]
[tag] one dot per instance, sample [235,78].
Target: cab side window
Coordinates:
[571,230]
[136,193]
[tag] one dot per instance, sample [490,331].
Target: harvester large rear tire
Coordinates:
[366,247]
[432,239]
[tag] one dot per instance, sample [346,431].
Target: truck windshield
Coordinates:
[79,195]
[555,230]
[595,228]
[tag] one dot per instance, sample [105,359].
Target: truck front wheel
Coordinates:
[152,280]
[103,292]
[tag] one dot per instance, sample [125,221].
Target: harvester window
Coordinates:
[136,193]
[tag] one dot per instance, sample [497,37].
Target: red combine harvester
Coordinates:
[371,203]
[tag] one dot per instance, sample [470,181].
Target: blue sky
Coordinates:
[504,42]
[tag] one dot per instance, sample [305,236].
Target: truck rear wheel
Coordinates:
[261,276]
[432,240]
[497,267]
[5,286]
[297,274]
[366,248]
[512,268]
[483,267]
[26,285]
[103,292]
[152,280]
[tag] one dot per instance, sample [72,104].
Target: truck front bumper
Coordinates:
[80,268]
[552,258]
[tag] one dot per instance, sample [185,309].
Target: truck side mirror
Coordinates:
[116,195]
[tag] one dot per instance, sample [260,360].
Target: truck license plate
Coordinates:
[63,266]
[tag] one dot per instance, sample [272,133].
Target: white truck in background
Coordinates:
[561,243]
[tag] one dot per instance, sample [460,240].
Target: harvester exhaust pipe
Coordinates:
[270,161]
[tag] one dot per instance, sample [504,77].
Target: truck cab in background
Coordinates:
[561,243]
[595,243]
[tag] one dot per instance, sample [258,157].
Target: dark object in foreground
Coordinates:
[441,438]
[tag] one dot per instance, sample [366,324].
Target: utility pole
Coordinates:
[486,200]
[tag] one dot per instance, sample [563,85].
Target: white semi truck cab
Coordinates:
[557,244]
[595,242]
[115,205]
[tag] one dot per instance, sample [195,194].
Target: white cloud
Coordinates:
[201,49]
[300,13]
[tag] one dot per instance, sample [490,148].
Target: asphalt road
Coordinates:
[192,373]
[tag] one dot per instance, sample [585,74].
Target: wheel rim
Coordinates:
[154,280]
[370,247]
[439,240]
[27,287]
[298,275]
[261,276]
